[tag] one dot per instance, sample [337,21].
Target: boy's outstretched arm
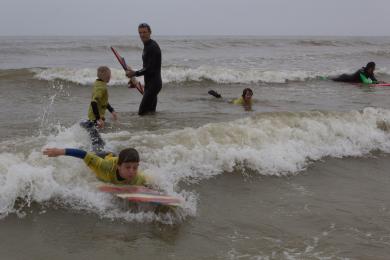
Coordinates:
[54,152]
[102,168]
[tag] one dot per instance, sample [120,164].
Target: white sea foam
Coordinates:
[229,76]
[183,74]
[267,144]
[270,144]
[82,76]
[65,181]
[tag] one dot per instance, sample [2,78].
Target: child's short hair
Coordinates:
[128,155]
[246,90]
[102,71]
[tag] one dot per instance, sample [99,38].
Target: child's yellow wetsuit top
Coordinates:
[100,96]
[241,101]
[106,170]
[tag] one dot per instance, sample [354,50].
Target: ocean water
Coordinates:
[303,175]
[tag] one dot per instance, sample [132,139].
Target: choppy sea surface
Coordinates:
[303,175]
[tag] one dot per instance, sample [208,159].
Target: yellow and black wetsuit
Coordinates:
[241,101]
[97,110]
[99,104]
[105,168]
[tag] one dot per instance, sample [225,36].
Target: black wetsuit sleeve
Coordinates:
[75,153]
[374,80]
[95,109]
[214,94]
[140,72]
[151,64]
[110,108]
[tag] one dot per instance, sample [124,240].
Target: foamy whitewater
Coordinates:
[295,177]
[266,143]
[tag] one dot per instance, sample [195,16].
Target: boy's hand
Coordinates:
[54,152]
[130,73]
[100,123]
[114,115]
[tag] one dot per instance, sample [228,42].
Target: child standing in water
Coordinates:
[98,107]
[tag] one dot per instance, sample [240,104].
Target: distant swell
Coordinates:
[66,48]
[181,75]
[380,53]
[220,75]
[320,43]
[231,75]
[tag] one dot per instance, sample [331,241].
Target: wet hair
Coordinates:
[370,65]
[102,71]
[144,25]
[246,90]
[128,155]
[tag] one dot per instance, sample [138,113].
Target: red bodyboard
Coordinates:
[122,62]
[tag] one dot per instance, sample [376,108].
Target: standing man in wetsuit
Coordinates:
[151,57]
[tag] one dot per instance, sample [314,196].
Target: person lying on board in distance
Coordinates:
[98,107]
[108,168]
[364,75]
[245,99]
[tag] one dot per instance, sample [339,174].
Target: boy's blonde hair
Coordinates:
[102,72]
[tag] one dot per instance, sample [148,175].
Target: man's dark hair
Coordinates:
[128,155]
[144,25]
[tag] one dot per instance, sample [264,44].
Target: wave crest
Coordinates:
[181,75]
[267,144]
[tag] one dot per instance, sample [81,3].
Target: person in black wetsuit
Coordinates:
[364,75]
[151,71]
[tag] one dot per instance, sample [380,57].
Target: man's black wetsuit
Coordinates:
[151,71]
[356,77]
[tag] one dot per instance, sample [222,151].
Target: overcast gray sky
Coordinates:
[196,17]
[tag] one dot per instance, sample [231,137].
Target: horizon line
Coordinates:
[191,35]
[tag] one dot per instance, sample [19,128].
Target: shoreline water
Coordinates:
[327,212]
